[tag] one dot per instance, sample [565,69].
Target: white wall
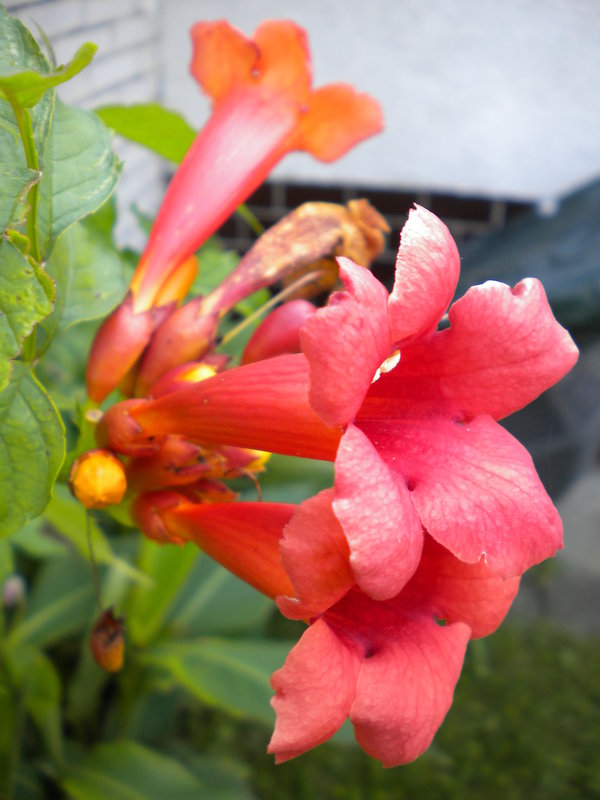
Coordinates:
[126,69]
[492,97]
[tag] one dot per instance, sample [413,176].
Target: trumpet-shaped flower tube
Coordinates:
[263,108]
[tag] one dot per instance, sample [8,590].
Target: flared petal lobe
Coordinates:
[316,556]
[336,118]
[475,489]
[427,269]
[502,350]
[223,58]
[455,591]
[354,325]
[405,689]
[377,515]
[314,691]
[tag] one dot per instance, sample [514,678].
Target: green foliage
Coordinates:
[149,124]
[233,675]
[23,303]
[26,87]
[75,181]
[31,449]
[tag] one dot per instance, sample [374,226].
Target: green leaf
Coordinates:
[79,170]
[88,274]
[35,541]
[61,604]
[149,124]
[23,303]
[168,566]
[126,770]
[214,264]
[27,87]
[62,369]
[32,448]
[6,562]
[15,182]
[233,675]
[19,52]
[38,680]
[213,601]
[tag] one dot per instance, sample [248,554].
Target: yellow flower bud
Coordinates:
[98,479]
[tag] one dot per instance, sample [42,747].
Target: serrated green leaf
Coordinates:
[149,124]
[23,303]
[26,87]
[79,172]
[230,674]
[32,448]
[19,52]
[89,278]
[61,604]
[129,771]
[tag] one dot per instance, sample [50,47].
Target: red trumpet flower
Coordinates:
[263,108]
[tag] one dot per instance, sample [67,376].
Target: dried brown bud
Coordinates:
[306,240]
[107,643]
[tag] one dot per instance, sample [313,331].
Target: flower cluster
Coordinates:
[435,512]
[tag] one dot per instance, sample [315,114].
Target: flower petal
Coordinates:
[378,517]
[475,489]
[284,64]
[404,690]
[459,592]
[315,554]
[345,343]
[337,118]
[427,268]
[503,349]
[263,406]
[314,691]
[223,57]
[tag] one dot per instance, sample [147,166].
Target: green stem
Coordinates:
[250,219]
[26,130]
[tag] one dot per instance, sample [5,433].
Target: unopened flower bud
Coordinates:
[97,479]
[279,332]
[107,643]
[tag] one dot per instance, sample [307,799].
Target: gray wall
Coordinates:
[491,97]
